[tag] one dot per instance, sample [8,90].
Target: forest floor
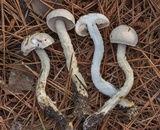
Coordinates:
[19,109]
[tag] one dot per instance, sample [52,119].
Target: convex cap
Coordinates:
[99,19]
[60,14]
[36,41]
[124,34]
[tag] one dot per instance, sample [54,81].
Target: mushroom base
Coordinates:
[93,120]
[58,117]
[82,109]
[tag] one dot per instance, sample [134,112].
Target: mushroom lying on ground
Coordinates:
[38,42]
[90,24]
[123,35]
[59,21]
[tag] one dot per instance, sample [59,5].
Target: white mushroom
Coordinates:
[38,42]
[59,21]
[89,24]
[123,35]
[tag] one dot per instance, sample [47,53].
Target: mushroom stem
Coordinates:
[123,63]
[70,57]
[99,82]
[92,120]
[44,101]
[81,93]
[102,85]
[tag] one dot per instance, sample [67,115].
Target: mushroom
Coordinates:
[89,24]
[59,21]
[123,35]
[38,42]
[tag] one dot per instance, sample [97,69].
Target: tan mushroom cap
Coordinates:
[100,20]
[124,34]
[60,14]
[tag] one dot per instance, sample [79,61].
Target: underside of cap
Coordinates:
[36,41]
[60,14]
[99,19]
[124,34]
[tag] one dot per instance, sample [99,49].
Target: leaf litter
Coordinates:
[19,20]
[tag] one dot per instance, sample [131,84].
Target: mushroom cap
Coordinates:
[36,41]
[124,34]
[60,14]
[99,19]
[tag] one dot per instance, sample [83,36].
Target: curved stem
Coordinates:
[44,101]
[102,85]
[111,103]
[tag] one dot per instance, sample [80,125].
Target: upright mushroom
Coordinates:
[90,24]
[38,42]
[59,21]
[123,35]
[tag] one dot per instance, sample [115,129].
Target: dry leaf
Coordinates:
[40,8]
[20,81]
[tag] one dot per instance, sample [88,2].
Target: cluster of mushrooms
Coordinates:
[59,21]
